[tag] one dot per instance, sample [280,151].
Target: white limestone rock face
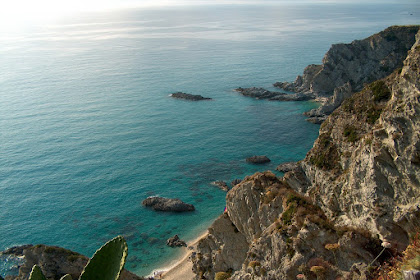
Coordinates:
[358,186]
[347,67]
[364,169]
[357,63]
[223,249]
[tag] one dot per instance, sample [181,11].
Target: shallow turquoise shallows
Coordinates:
[88,130]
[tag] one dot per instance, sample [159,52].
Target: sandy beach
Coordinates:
[181,268]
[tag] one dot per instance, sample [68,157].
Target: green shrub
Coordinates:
[380,91]
[298,199]
[288,214]
[325,154]
[222,276]
[254,264]
[350,133]
[373,115]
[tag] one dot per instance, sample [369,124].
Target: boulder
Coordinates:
[287,166]
[176,242]
[167,204]
[187,96]
[258,159]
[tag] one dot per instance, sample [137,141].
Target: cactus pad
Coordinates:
[107,262]
[36,274]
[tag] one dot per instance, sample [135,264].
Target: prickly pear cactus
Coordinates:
[36,274]
[66,277]
[107,262]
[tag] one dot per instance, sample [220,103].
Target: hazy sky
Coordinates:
[15,11]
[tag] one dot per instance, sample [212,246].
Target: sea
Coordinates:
[88,128]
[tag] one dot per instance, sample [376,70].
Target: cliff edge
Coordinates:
[346,68]
[355,194]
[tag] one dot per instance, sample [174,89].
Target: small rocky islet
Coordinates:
[188,96]
[167,204]
[175,241]
[258,159]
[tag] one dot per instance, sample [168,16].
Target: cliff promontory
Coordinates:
[345,69]
[355,195]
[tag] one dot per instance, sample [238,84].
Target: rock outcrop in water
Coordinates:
[54,262]
[221,185]
[176,242]
[190,97]
[261,93]
[356,193]
[167,204]
[258,159]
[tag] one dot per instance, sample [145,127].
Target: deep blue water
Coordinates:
[87,129]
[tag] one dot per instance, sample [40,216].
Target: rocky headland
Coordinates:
[345,69]
[356,193]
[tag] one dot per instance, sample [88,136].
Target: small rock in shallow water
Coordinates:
[221,185]
[176,242]
[187,96]
[167,204]
[258,159]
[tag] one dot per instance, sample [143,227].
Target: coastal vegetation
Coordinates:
[106,264]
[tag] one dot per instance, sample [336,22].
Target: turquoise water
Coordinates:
[87,129]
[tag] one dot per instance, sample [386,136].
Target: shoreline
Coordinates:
[181,267]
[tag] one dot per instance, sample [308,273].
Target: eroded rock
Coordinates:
[167,204]
[176,242]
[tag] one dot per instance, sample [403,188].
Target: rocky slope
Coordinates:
[347,67]
[356,192]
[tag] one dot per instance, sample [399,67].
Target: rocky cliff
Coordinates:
[347,67]
[356,193]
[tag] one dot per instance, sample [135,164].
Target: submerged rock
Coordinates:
[221,185]
[176,242]
[258,159]
[167,204]
[187,96]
